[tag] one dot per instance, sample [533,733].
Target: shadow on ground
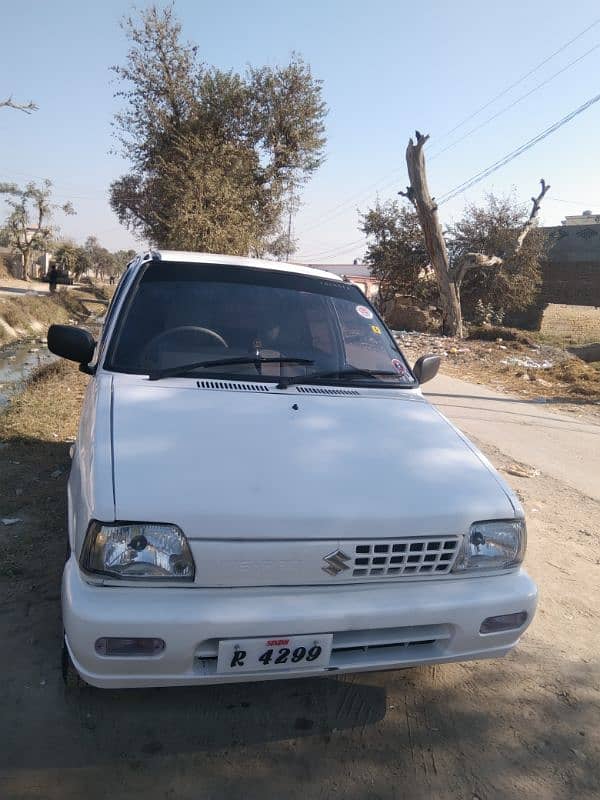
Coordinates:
[521,727]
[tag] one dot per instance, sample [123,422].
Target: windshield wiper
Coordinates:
[187,369]
[320,377]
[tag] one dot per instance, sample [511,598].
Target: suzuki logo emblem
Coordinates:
[336,562]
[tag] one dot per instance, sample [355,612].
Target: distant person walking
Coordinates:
[53,278]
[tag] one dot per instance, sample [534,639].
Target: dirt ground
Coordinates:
[531,369]
[522,727]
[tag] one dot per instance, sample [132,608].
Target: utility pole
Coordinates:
[289,247]
[292,207]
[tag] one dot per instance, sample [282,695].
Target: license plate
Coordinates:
[274,654]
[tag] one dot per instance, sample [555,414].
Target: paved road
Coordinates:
[561,445]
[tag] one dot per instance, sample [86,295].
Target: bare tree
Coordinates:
[449,277]
[27,108]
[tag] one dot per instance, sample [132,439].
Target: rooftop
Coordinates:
[353,269]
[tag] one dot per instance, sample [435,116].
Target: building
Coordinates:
[571,271]
[571,274]
[585,218]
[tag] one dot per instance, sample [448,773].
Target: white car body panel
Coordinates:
[238,465]
[192,621]
[265,483]
[91,482]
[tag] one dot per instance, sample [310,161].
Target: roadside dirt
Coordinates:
[529,369]
[522,727]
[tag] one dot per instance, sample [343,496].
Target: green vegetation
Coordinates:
[25,316]
[28,228]
[397,255]
[215,155]
[35,431]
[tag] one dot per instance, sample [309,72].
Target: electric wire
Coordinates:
[449,195]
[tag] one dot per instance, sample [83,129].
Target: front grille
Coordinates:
[405,557]
[375,648]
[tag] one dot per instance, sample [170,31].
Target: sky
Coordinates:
[387,66]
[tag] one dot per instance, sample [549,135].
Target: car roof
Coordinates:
[238,261]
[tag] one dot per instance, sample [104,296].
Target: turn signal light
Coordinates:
[121,646]
[503,622]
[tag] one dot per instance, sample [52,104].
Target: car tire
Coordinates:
[71,678]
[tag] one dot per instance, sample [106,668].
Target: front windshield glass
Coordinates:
[181,314]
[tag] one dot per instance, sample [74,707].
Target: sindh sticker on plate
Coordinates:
[274,654]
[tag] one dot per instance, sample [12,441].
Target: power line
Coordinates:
[515,153]
[338,250]
[340,207]
[488,170]
[573,202]
[521,79]
[514,103]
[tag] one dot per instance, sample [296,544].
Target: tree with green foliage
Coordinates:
[72,258]
[120,260]
[398,257]
[491,229]
[102,261]
[396,252]
[214,154]
[450,272]
[28,229]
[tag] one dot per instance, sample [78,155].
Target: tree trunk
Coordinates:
[418,193]
[25,259]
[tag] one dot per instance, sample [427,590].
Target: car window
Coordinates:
[366,342]
[185,313]
[123,284]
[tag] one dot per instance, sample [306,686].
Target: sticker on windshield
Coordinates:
[376,329]
[364,312]
[398,366]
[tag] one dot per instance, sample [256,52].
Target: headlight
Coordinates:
[492,545]
[138,551]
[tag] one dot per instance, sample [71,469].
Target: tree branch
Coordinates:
[409,194]
[537,201]
[481,260]
[27,108]
[474,261]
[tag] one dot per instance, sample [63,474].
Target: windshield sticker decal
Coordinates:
[398,366]
[376,329]
[364,312]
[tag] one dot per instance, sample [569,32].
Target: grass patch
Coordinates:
[570,325]
[489,333]
[48,408]
[582,379]
[36,431]
[25,316]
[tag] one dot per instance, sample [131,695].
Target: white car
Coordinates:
[260,490]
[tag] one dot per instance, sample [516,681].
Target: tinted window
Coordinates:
[184,313]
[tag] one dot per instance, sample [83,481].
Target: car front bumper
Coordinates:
[375,627]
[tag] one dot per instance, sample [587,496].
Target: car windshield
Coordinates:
[272,324]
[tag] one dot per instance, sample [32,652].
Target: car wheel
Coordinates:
[72,679]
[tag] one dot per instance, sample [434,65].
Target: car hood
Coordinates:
[260,463]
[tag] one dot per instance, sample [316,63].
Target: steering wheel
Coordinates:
[193,330]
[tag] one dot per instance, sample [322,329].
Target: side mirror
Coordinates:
[73,343]
[426,368]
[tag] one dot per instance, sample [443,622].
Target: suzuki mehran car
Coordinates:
[260,490]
